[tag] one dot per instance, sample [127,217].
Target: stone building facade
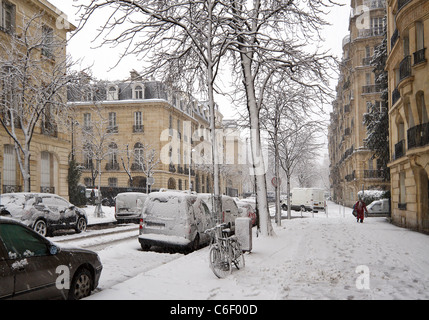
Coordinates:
[407,66]
[135,117]
[352,165]
[50,144]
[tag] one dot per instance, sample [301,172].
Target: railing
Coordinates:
[399,150]
[394,38]
[47,189]
[7,188]
[112,166]
[405,68]
[418,136]
[373,174]
[138,128]
[395,96]
[419,56]
[371,88]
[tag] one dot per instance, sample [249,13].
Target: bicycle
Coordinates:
[225,251]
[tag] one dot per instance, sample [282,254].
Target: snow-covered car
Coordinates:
[247,211]
[129,206]
[32,267]
[229,213]
[174,219]
[43,212]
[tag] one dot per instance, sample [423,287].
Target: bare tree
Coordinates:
[98,144]
[271,36]
[181,39]
[33,81]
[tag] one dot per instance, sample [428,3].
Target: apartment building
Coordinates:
[148,136]
[34,32]
[352,167]
[407,66]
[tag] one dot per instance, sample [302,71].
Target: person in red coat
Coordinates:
[360,207]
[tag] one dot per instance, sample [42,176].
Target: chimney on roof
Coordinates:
[135,75]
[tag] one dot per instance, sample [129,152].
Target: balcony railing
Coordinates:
[138,128]
[419,56]
[418,136]
[395,96]
[371,88]
[394,38]
[405,68]
[47,189]
[112,166]
[11,188]
[399,150]
[373,174]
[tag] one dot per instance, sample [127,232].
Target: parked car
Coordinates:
[247,211]
[230,211]
[379,208]
[174,219]
[43,212]
[32,267]
[129,206]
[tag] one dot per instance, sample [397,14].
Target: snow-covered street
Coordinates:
[321,257]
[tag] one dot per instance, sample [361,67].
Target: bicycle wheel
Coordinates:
[219,263]
[238,255]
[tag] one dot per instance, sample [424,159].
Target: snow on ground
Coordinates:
[313,257]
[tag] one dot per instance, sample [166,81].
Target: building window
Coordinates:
[112,182]
[138,92]
[112,163]
[377,26]
[87,121]
[138,122]
[48,42]
[45,172]
[112,127]
[9,169]
[7,16]
[112,93]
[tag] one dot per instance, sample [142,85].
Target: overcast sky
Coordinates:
[104,59]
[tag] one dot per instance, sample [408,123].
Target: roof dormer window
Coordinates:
[138,92]
[112,93]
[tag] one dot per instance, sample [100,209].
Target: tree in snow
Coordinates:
[270,37]
[34,75]
[142,158]
[377,119]
[181,40]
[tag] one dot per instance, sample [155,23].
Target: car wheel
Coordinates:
[80,225]
[81,285]
[284,207]
[41,227]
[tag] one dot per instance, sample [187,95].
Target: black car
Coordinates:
[43,212]
[31,267]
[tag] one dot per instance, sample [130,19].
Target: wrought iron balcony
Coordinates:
[418,136]
[419,56]
[405,68]
[399,150]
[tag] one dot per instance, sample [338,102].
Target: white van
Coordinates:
[174,219]
[129,206]
[307,199]
[230,210]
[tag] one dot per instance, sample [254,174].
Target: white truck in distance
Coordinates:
[307,199]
